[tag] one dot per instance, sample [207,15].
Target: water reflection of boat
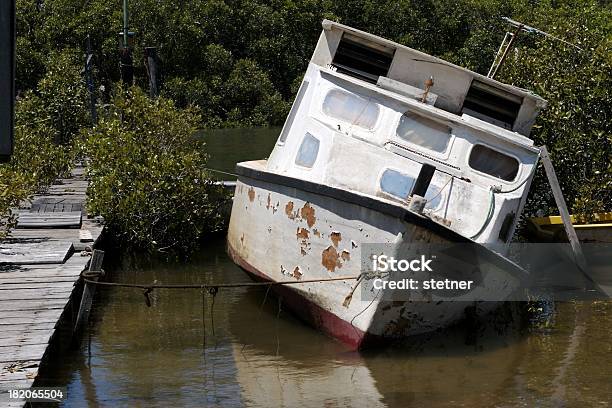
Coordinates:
[371,139]
[283,363]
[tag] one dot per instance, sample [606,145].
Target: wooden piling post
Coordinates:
[151,64]
[565,216]
[95,265]
[89,81]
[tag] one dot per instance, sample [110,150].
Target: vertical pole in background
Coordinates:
[7,77]
[125,23]
[151,64]
[90,82]
[127,69]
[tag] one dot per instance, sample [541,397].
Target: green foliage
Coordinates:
[64,96]
[37,160]
[250,97]
[43,119]
[13,190]
[576,126]
[148,178]
[244,96]
[37,157]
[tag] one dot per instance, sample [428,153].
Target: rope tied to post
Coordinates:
[88,275]
[211,289]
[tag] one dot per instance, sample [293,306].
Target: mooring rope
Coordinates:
[211,288]
[227,173]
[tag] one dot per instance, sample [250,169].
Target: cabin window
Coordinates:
[492,105]
[309,149]
[395,183]
[362,59]
[294,108]
[351,108]
[493,163]
[423,132]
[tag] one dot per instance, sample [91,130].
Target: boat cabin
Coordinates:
[372,116]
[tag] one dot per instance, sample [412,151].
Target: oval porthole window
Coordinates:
[309,149]
[351,108]
[493,163]
[395,183]
[423,132]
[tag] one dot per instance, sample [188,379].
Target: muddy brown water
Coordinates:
[253,353]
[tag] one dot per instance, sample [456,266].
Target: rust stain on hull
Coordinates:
[268,203]
[251,194]
[297,274]
[335,237]
[302,233]
[289,210]
[330,259]
[345,255]
[308,213]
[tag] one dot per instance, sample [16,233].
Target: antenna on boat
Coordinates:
[510,39]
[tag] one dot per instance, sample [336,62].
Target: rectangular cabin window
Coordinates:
[395,183]
[423,132]
[351,108]
[309,149]
[362,59]
[293,112]
[492,105]
[493,163]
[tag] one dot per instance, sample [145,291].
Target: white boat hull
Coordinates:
[279,232]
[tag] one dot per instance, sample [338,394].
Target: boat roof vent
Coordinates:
[492,105]
[362,59]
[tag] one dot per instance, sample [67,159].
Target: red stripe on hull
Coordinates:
[309,311]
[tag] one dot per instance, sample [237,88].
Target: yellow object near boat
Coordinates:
[547,229]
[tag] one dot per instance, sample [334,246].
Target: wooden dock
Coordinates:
[40,265]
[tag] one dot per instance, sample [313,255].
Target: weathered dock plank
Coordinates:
[36,285]
[22,352]
[34,328]
[22,294]
[15,283]
[72,234]
[40,264]
[12,373]
[33,304]
[45,252]
[52,219]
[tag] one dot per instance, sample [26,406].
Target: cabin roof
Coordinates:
[328,25]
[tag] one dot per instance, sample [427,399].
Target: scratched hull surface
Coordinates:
[279,233]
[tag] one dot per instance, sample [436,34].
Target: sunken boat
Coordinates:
[383,144]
